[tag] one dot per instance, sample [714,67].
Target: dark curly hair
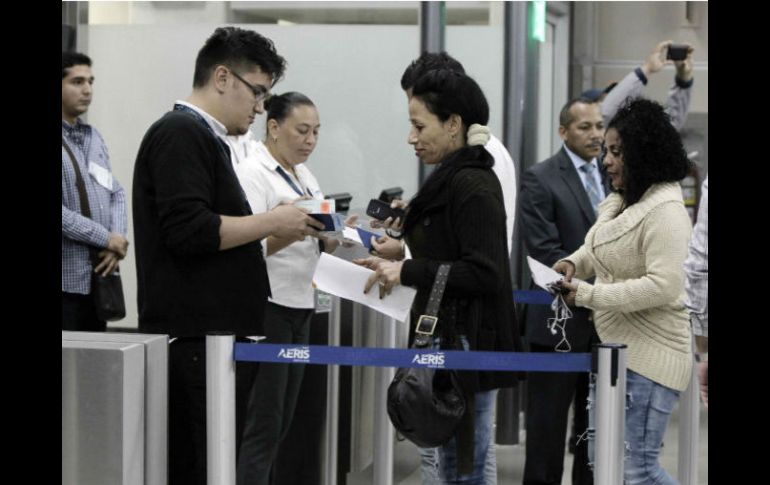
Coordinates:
[652,148]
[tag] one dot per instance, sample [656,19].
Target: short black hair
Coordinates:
[446,92]
[651,147]
[429,61]
[237,48]
[565,115]
[69,59]
[279,106]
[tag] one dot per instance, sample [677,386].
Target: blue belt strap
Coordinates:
[443,359]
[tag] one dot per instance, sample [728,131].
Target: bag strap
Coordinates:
[85,209]
[426,324]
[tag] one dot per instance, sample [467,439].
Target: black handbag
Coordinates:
[106,291]
[426,404]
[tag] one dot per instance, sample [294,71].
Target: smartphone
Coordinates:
[677,52]
[381,210]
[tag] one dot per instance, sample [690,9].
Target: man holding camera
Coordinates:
[631,86]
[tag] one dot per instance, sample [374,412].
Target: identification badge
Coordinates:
[102,176]
[323,302]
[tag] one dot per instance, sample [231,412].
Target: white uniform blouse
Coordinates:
[290,269]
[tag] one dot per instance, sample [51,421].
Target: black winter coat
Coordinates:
[463,222]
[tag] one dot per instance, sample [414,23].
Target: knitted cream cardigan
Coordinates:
[638,296]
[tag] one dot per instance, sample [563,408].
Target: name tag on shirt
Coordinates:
[101,175]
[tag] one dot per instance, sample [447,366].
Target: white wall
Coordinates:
[352,73]
[480,50]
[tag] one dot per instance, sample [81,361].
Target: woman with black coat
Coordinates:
[458,217]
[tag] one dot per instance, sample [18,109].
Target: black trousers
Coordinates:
[187,409]
[549,396]
[273,396]
[78,313]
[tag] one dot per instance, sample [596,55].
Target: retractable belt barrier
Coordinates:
[443,359]
[608,363]
[532,297]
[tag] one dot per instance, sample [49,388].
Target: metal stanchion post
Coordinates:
[610,414]
[383,431]
[689,431]
[220,409]
[332,399]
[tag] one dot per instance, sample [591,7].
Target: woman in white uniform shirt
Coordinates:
[272,172]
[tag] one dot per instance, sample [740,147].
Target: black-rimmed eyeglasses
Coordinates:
[260,92]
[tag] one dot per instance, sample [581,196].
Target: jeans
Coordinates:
[442,462]
[429,462]
[273,396]
[648,409]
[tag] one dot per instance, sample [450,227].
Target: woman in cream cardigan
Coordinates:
[636,251]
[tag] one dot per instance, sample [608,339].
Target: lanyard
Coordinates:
[288,180]
[199,119]
[222,145]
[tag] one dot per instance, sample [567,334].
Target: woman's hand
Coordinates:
[387,274]
[388,248]
[571,294]
[567,268]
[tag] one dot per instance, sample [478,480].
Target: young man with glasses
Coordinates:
[200,266]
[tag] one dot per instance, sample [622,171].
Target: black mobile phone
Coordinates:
[677,52]
[381,210]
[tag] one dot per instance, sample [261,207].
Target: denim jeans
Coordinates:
[648,407]
[442,462]
[647,411]
[429,462]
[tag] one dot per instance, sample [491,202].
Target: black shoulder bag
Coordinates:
[426,404]
[107,291]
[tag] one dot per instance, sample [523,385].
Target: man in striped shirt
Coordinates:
[696,267]
[105,229]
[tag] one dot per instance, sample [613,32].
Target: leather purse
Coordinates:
[426,404]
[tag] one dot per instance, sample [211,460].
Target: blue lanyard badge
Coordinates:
[291,182]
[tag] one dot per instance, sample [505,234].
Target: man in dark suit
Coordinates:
[558,205]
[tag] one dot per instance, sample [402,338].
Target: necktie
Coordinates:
[592,189]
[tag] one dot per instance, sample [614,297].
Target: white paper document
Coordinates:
[346,280]
[542,275]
